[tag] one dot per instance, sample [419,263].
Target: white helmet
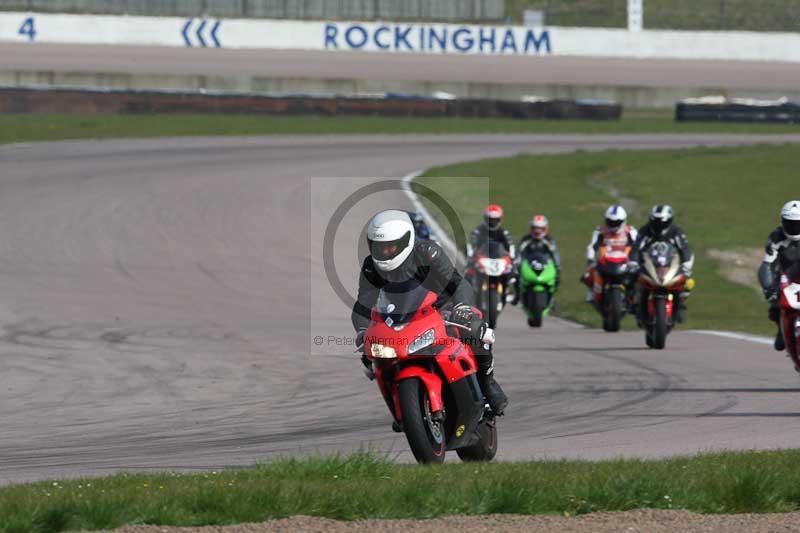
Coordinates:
[390,236]
[790,220]
[616,217]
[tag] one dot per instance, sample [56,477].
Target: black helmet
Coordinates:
[661,218]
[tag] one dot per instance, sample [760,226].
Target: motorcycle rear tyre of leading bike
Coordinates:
[485,448]
[418,425]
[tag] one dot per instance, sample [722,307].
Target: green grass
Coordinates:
[725,198]
[28,128]
[366,486]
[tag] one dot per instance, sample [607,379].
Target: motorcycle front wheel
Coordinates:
[659,325]
[538,305]
[612,309]
[424,434]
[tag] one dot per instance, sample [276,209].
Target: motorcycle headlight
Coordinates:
[424,340]
[379,351]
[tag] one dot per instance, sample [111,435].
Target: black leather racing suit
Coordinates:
[483,234]
[431,267]
[677,238]
[780,253]
[673,235]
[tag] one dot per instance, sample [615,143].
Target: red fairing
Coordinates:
[453,359]
[432,383]
[789,302]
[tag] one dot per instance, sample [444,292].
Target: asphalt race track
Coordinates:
[295,64]
[161,300]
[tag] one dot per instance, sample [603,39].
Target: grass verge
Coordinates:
[725,199]
[366,486]
[28,128]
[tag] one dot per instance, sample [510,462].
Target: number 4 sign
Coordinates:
[28,29]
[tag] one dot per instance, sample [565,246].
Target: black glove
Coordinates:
[462,314]
[770,294]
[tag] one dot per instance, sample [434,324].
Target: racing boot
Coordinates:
[491,389]
[515,296]
[779,344]
[680,316]
[495,396]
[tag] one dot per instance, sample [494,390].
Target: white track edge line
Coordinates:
[441,235]
[733,335]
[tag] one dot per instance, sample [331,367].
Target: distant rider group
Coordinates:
[647,273]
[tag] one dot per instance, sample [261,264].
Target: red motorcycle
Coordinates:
[789,301]
[427,377]
[608,281]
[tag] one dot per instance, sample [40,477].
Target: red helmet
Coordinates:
[539,226]
[493,216]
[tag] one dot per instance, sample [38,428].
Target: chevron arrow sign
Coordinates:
[201,33]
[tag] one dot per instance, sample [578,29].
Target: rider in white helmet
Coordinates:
[397,257]
[615,233]
[782,250]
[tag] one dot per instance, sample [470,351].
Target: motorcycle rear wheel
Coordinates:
[485,448]
[659,326]
[612,309]
[425,436]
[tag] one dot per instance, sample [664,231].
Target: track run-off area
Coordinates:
[161,301]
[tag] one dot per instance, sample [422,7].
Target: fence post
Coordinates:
[722,14]
[635,15]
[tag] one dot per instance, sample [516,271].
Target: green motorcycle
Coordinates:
[537,285]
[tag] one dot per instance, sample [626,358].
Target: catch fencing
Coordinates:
[438,10]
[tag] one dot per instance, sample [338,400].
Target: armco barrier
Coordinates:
[720,109]
[27,100]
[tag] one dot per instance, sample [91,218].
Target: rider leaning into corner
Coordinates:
[614,234]
[539,238]
[395,257]
[660,228]
[782,250]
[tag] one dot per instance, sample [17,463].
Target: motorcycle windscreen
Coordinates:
[538,259]
[493,250]
[398,302]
